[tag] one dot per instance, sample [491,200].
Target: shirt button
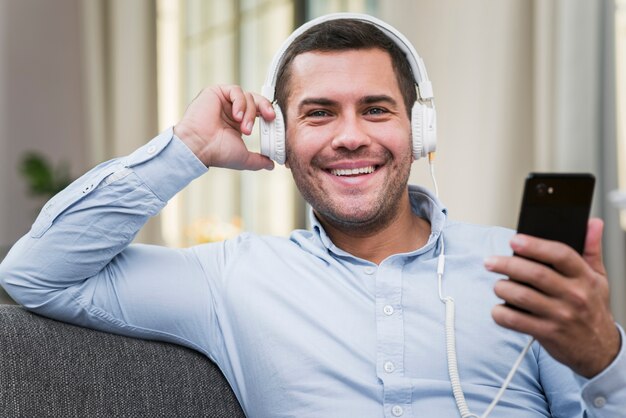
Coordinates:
[151,149]
[397,411]
[599,402]
[388,310]
[369,270]
[389,367]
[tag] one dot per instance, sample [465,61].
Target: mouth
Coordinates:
[351,172]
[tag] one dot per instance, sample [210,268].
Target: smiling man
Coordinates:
[345,320]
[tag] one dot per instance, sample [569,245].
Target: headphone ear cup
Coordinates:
[423,129]
[279,136]
[273,137]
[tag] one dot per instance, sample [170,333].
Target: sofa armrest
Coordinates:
[49,368]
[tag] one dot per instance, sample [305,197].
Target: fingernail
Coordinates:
[518,242]
[239,115]
[490,262]
[249,126]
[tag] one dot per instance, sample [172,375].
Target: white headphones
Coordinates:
[423,115]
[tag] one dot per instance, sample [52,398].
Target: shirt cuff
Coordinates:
[605,394]
[166,165]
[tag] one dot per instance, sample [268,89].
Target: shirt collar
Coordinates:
[423,203]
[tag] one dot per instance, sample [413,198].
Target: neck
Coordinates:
[406,232]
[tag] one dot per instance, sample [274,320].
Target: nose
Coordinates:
[351,135]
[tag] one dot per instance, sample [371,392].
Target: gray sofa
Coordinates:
[52,369]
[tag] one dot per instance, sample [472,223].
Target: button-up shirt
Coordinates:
[299,327]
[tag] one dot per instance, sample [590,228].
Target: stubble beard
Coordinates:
[352,219]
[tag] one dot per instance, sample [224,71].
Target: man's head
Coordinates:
[343,35]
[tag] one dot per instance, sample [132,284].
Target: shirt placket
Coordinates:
[390,338]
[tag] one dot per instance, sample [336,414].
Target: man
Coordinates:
[345,320]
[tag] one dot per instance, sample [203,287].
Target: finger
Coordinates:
[556,254]
[593,245]
[247,121]
[528,272]
[525,297]
[256,161]
[264,107]
[520,321]
[239,103]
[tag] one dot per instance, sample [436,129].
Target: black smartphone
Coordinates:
[556,206]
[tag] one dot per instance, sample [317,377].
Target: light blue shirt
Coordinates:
[299,327]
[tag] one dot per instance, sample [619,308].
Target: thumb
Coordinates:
[593,245]
[256,161]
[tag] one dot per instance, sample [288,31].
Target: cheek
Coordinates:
[305,142]
[397,141]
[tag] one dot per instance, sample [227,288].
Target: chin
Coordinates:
[354,219]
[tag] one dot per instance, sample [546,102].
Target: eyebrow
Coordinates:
[322,101]
[378,99]
[316,101]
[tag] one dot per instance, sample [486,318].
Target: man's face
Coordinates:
[348,137]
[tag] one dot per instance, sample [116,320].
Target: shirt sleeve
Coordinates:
[76,264]
[605,394]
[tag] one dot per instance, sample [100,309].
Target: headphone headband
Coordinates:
[425,90]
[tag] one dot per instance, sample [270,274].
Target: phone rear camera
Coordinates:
[542,189]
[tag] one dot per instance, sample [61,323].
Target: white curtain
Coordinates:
[119,67]
[575,110]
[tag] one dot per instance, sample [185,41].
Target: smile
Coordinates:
[353,171]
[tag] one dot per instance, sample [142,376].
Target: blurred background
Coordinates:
[519,85]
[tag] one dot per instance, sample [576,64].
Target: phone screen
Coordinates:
[556,206]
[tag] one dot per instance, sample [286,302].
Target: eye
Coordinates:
[376,111]
[318,114]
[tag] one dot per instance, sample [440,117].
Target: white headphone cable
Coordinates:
[431,164]
[453,371]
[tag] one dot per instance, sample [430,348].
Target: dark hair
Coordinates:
[345,34]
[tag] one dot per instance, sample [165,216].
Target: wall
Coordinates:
[40,100]
[478,56]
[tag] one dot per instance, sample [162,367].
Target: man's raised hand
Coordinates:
[214,122]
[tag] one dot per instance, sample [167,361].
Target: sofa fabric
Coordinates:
[52,369]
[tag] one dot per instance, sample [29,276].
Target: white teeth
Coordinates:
[352,171]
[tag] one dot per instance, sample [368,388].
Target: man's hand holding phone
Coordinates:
[562,296]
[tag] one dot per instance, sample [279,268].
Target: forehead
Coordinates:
[360,71]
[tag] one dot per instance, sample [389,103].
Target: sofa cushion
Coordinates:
[52,369]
